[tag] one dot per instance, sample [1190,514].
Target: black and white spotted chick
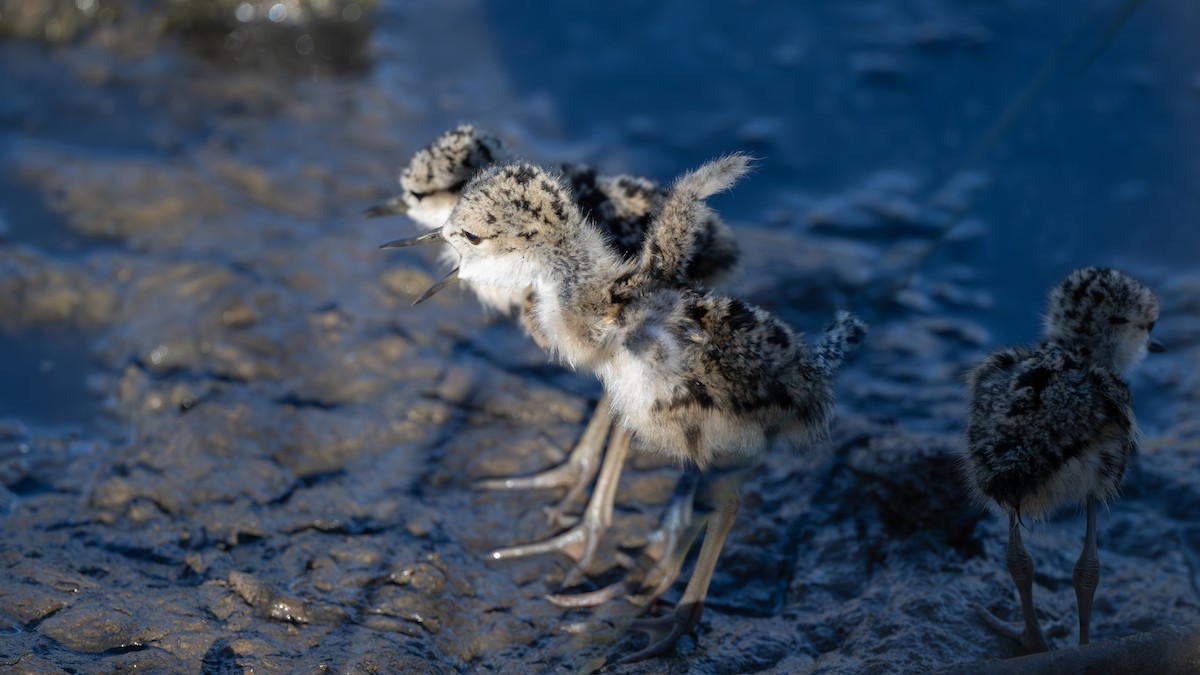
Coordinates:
[694,374]
[1053,424]
[621,206]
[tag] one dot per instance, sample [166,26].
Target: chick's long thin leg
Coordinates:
[1087,573]
[670,543]
[1020,566]
[687,613]
[575,474]
[579,542]
[667,548]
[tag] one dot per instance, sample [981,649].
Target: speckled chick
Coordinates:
[437,173]
[1053,424]
[622,206]
[694,374]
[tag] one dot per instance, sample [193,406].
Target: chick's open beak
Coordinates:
[1155,346]
[446,281]
[432,237]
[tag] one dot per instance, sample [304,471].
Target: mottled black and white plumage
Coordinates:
[621,205]
[1053,424]
[1046,429]
[694,373]
[437,172]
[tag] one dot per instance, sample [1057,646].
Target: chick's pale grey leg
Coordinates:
[579,542]
[687,613]
[1020,566]
[1087,573]
[575,474]
[666,549]
[670,543]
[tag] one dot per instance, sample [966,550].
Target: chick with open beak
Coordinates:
[431,237]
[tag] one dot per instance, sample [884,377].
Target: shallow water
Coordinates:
[47,380]
[227,442]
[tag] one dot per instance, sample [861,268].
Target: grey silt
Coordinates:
[1053,424]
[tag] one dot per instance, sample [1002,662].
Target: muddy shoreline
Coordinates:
[228,443]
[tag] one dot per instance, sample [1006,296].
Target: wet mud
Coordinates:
[228,444]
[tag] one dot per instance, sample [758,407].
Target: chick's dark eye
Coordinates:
[473,238]
[1150,326]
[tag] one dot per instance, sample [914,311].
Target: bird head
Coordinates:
[1105,313]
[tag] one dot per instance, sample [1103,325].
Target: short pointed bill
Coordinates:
[393,206]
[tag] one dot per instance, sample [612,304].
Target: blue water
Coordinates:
[1100,166]
[44,378]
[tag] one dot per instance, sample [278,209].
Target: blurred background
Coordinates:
[220,421]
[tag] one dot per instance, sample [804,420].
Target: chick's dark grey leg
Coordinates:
[687,613]
[1020,566]
[579,543]
[575,474]
[1087,573]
